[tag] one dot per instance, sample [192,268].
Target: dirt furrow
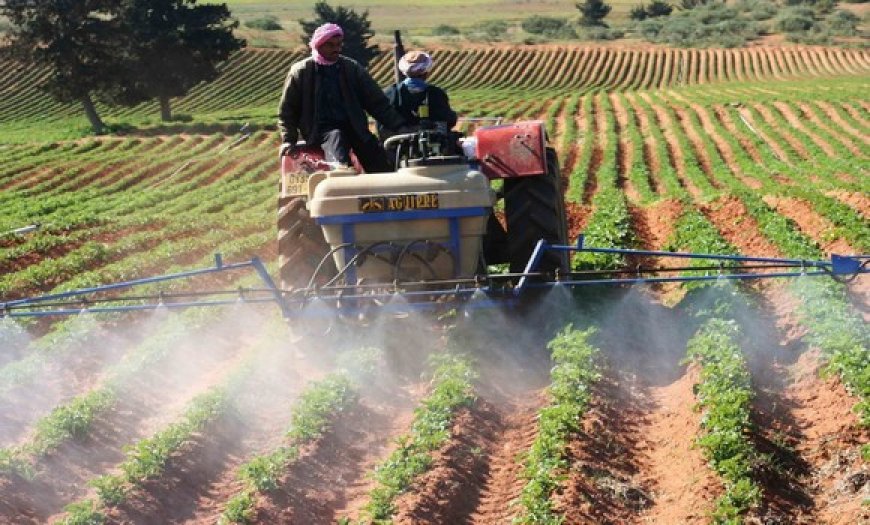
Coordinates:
[823,232]
[747,118]
[624,152]
[663,120]
[635,460]
[856,114]
[831,113]
[332,478]
[808,112]
[599,131]
[767,114]
[451,490]
[723,147]
[147,403]
[804,420]
[697,145]
[860,202]
[515,426]
[795,121]
[650,156]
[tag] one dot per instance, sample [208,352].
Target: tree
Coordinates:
[77,40]
[655,9]
[592,12]
[691,4]
[658,8]
[356,26]
[638,12]
[173,46]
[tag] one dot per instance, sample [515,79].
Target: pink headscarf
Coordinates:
[321,35]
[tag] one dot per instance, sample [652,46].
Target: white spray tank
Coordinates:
[425,221]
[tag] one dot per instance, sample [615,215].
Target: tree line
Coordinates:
[126,52]
[122,52]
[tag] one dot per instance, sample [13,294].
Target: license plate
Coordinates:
[384,203]
[295,184]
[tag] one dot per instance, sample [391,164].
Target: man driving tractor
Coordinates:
[422,105]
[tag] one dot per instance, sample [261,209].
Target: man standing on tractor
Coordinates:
[423,105]
[326,97]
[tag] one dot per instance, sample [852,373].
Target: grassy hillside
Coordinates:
[418,18]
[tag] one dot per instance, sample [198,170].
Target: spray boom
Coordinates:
[503,288]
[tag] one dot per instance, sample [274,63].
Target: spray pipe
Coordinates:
[245,134]
[7,308]
[22,230]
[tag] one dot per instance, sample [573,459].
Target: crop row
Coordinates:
[725,394]
[147,458]
[253,78]
[574,372]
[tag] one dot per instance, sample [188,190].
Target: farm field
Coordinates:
[650,404]
[417,19]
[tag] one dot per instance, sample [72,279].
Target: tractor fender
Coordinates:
[512,150]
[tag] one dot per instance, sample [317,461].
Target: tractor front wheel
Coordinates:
[301,246]
[535,210]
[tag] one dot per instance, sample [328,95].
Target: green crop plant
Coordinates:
[639,172]
[670,182]
[318,406]
[575,371]
[83,513]
[609,226]
[725,394]
[569,134]
[851,225]
[580,173]
[451,389]
[842,336]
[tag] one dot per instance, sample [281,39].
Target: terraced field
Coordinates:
[654,404]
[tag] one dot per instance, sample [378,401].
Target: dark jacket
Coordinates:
[409,103]
[297,111]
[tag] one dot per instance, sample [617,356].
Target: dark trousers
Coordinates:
[338,143]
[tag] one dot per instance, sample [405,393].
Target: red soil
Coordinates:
[859,201]
[452,490]
[330,480]
[795,407]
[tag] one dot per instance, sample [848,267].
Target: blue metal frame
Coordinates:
[357,300]
[255,263]
[838,265]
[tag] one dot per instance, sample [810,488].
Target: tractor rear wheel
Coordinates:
[535,210]
[301,246]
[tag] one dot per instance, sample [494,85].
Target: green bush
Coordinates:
[820,6]
[842,23]
[709,24]
[538,25]
[266,23]
[795,20]
[445,30]
[599,33]
[489,30]
[757,9]
[638,12]
[655,9]
[658,8]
